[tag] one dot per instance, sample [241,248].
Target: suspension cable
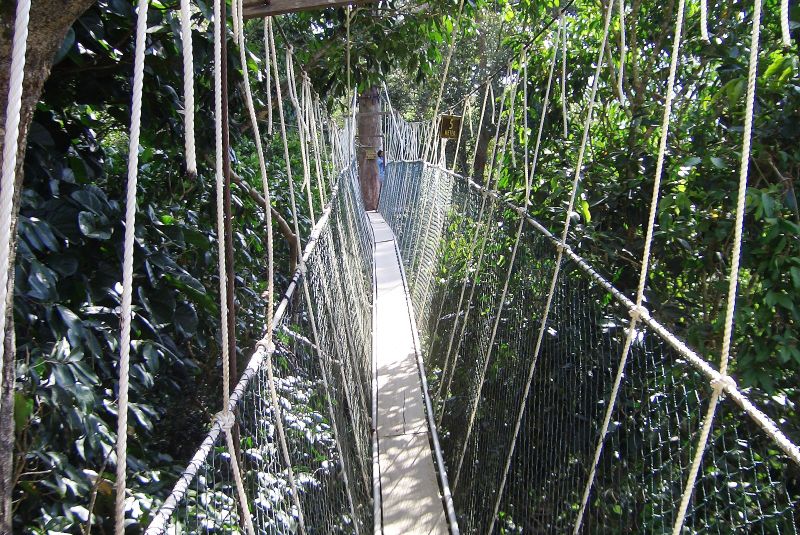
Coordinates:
[733,278]
[639,311]
[9,171]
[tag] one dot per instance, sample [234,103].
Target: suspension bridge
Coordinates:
[448,364]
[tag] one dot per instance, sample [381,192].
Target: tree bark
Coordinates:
[49,22]
[482,145]
[368,143]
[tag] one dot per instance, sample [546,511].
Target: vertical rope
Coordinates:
[638,312]
[622,49]
[528,176]
[704,20]
[456,29]
[785,34]
[733,279]
[445,368]
[460,134]
[564,73]
[188,88]
[347,29]
[290,179]
[302,130]
[127,266]
[9,171]
[268,72]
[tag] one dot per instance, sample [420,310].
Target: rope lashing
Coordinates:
[639,313]
[733,278]
[126,310]
[188,87]
[9,170]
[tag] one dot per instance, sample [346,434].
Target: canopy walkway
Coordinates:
[448,364]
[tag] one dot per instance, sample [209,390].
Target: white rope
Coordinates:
[480,126]
[188,88]
[511,91]
[235,16]
[638,312]
[622,49]
[564,74]
[464,112]
[444,384]
[528,176]
[733,278]
[127,266]
[262,166]
[302,130]
[290,179]
[268,69]
[785,34]
[500,303]
[456,29]
[704,20]
[9,172]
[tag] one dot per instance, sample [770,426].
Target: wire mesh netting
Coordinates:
[457,242]
[322,374]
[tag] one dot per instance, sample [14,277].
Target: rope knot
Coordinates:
[226,419]
[265,345]
[562,247]
[723,382]
[302,268]
[639,313]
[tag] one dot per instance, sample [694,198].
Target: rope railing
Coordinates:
[330,442]
[659,408]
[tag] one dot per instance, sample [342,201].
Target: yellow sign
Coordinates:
[371,154]
[449,126]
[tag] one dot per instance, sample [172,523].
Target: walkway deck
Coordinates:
[410,499]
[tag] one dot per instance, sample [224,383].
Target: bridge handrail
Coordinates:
[764,421]
[159,522]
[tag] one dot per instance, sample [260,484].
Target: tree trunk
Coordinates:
[49,22]
[369,141]
[482,145]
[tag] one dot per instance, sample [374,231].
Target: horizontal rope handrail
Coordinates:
[765,422]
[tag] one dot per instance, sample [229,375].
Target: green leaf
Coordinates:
[587,215]
[93,226]
[23,408]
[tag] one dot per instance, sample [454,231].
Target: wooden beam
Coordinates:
[268,8]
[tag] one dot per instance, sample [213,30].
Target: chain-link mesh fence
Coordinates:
[456,240]
[322,374]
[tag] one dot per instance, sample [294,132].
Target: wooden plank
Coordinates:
[410,493]
[410,498]
[270,8]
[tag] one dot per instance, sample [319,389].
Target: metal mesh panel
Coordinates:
[322,375]
[747,484]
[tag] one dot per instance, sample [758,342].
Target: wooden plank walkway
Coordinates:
[410,499]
